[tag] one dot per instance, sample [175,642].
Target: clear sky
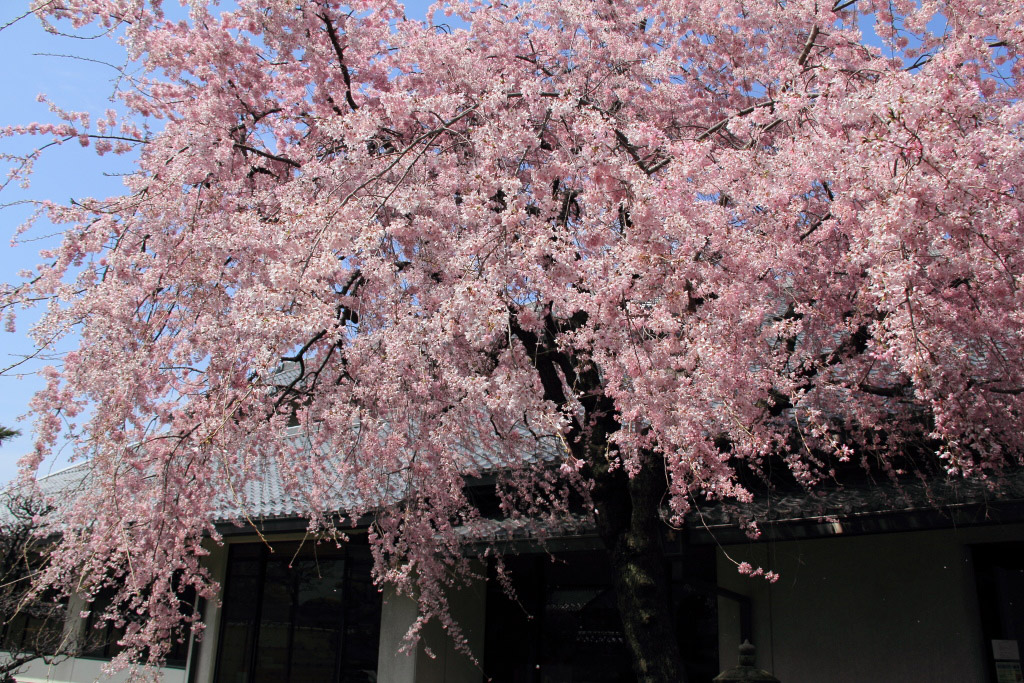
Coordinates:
[72,83]
[71,74]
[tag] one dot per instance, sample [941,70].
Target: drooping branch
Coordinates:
[626,506]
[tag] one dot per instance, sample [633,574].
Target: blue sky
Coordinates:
[70,171]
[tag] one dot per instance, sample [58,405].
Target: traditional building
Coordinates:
[893,583]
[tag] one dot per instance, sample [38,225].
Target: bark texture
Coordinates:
[626,508]
[626,513]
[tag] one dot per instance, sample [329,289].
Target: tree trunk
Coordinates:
[627,519]
[626,509]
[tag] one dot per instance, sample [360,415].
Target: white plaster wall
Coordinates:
[398,613]
[447,665]
[890,607]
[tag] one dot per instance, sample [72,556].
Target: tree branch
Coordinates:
[742,112]
[641,164]
[898,391]
[808,46]
[1016,391]
[268,155]
[817,224]
[332,33]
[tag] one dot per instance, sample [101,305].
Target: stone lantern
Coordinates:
[746,671]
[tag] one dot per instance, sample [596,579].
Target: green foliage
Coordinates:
[6,433]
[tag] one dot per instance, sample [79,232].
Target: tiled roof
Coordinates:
[266,498]
[59,489]
[911,503]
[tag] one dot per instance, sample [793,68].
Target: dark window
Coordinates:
[999,570]
[102,636]
[305,612]
[37,626]
[564,624]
